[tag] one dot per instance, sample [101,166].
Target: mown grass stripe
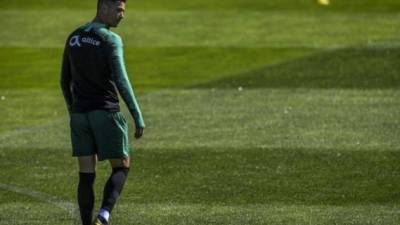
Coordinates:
[325,119]
[280,29]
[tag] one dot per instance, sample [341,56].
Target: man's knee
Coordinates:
[123,162]
[87,164]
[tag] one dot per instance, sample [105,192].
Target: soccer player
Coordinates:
[93,70]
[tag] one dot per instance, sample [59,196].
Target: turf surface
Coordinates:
[261,112]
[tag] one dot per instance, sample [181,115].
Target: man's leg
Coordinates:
[87,175]
[113,187]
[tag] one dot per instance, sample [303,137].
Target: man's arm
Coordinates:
[120,77]
[65,80]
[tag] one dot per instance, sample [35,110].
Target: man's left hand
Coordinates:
[139,132]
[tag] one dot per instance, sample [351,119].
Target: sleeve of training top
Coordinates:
[65,80]
[120,77]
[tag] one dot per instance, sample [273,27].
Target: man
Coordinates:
[92,71]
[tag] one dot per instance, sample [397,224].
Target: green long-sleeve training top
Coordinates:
[93,69]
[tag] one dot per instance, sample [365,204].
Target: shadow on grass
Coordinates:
[261,176]
[223,176]
[351,68]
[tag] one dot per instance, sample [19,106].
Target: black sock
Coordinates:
[86,196]
[113,187]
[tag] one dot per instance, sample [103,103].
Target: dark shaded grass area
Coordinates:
[352,68]
[221,176]
[149,68]
[293,176]
[29,68]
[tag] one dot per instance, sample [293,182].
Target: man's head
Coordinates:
[111,12]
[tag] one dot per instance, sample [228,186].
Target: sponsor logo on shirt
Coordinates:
[91,41]
[76,41]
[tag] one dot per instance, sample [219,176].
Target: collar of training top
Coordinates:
[96,25]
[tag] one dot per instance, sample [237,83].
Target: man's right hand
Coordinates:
[139,132]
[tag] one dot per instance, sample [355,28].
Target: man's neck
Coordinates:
[97,19]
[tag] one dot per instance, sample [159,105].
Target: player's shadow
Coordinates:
[350,68]
[265,176]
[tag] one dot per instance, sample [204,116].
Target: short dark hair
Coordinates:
[100,2]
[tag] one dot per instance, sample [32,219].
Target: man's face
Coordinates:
[113,13]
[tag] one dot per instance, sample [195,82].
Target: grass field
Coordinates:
[258,112]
